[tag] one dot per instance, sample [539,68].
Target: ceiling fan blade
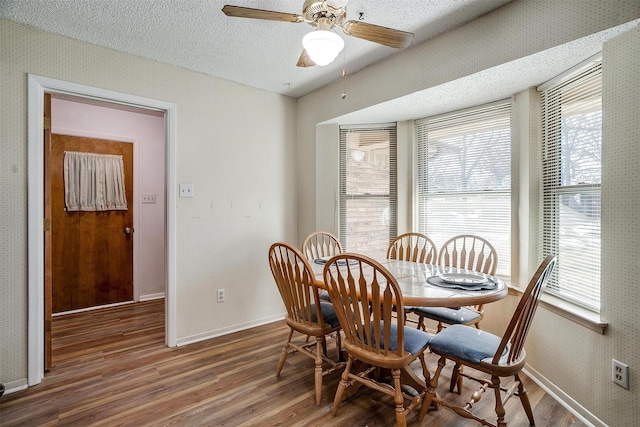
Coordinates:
[378,34]
[247,12]
[304,60]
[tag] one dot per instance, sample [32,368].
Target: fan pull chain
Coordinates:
[344,76]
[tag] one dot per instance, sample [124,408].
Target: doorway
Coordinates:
[37,86]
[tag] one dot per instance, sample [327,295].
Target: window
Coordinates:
[464,177]
[367,188]
[571,168]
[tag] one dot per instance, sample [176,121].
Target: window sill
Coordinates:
[570,311]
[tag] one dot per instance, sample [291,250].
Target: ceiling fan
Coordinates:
[323,45]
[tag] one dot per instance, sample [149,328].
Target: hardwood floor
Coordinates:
[110,367]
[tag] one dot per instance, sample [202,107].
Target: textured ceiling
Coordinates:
[196,35]
[489,85]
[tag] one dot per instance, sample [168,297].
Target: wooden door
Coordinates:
[92,252]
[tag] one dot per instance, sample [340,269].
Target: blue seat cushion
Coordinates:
[450,316]
[324,295]
[328,314]
[415,340]
[466,343]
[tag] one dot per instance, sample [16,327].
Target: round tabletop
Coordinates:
[422,285]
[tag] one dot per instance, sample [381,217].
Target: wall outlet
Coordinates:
[620,373]
[220,295]
[186,190]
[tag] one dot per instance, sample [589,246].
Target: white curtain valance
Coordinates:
[94,182]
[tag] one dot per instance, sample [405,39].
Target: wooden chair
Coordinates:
[469,252]
[472,253]
[363,294]
[320,244]
[414,247]
[306,313]
[492,355]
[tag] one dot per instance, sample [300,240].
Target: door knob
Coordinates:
[128,230]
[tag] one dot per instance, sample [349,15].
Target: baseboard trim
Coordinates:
[229,330]
[150,297]
[97,307]
[563,398]
[17,385]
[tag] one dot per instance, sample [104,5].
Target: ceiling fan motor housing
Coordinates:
[318,13]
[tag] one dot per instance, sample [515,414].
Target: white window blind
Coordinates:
[368,188]
[571,163]
[464,177]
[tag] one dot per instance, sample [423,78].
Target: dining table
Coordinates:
[431,285]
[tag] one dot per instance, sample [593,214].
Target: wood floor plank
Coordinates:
[111,367]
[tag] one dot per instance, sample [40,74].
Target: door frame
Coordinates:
[36,88]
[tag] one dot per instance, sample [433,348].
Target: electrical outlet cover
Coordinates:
[620,373]
[186,190]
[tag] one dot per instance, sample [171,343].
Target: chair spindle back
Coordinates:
[296,282]
[320,244]
[363,294]
[516,333]
[469,252]
[415,247]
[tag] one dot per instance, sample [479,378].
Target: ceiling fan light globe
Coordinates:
[322,46]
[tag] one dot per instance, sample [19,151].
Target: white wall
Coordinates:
[243,177]
[573,361]
[146,132]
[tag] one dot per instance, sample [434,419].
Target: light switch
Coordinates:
[148,197]
[186,190]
